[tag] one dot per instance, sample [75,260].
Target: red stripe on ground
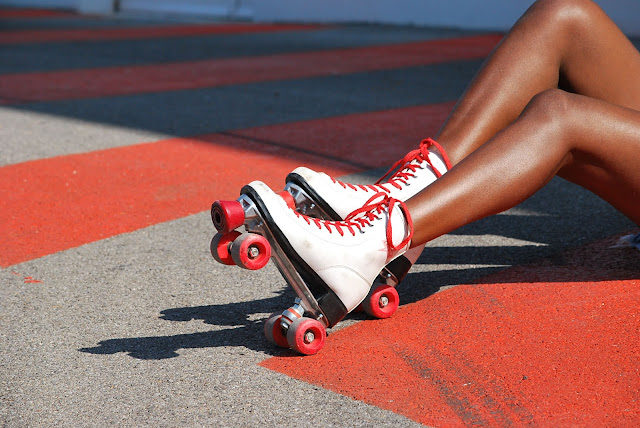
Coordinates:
[366,140]
[54,204]
[33,13]
[46,36]
[543,345]
[59,85]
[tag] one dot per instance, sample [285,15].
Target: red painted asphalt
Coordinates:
[55,204]
[110,81]
[33,13]
[549,344]
[49,36]
[51,205]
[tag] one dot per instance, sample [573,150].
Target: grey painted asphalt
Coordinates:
[78,22]
[145,329]
[202,111]
[52,56]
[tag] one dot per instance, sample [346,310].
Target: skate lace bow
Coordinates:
[420,154]
[411,162]
[377,205]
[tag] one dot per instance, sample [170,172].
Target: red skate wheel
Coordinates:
[306,336]
[220,247]
[288,198]
[382,301]
[274,332]
[227,215]
[250,251]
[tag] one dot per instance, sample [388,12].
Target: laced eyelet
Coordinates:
[421,155]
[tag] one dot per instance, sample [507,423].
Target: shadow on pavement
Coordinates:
[592,263]
[243,330]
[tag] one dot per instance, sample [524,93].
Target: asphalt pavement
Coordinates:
[113,312]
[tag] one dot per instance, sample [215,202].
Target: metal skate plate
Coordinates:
[305,204]
[254,223]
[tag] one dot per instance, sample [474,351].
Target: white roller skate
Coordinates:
[319,195]
[331,265]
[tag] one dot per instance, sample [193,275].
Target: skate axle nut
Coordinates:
[309,337]
[384,301]
[253,252]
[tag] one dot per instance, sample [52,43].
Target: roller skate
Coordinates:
[319,195]
[332,266]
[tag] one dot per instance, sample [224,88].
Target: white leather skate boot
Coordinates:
[333,199]
[337,260]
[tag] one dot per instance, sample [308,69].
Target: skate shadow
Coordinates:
[242,324]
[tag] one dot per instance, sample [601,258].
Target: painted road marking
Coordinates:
[110,81]
[49,205]
[33,13]
[49,36]
[547,344]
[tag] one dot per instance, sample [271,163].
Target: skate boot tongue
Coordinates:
[382,203]
[413,161]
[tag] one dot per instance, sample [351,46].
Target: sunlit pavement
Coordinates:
[117,134]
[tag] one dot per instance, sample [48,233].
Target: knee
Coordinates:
[566,14]
[551,109]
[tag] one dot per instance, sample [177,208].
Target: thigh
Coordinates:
[566,44]
[599,60]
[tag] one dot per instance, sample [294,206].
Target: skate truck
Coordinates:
[244,238]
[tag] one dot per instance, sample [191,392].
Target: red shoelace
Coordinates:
[361,217]
[404,174]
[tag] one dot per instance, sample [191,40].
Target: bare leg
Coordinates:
[566,44]
[591,142]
